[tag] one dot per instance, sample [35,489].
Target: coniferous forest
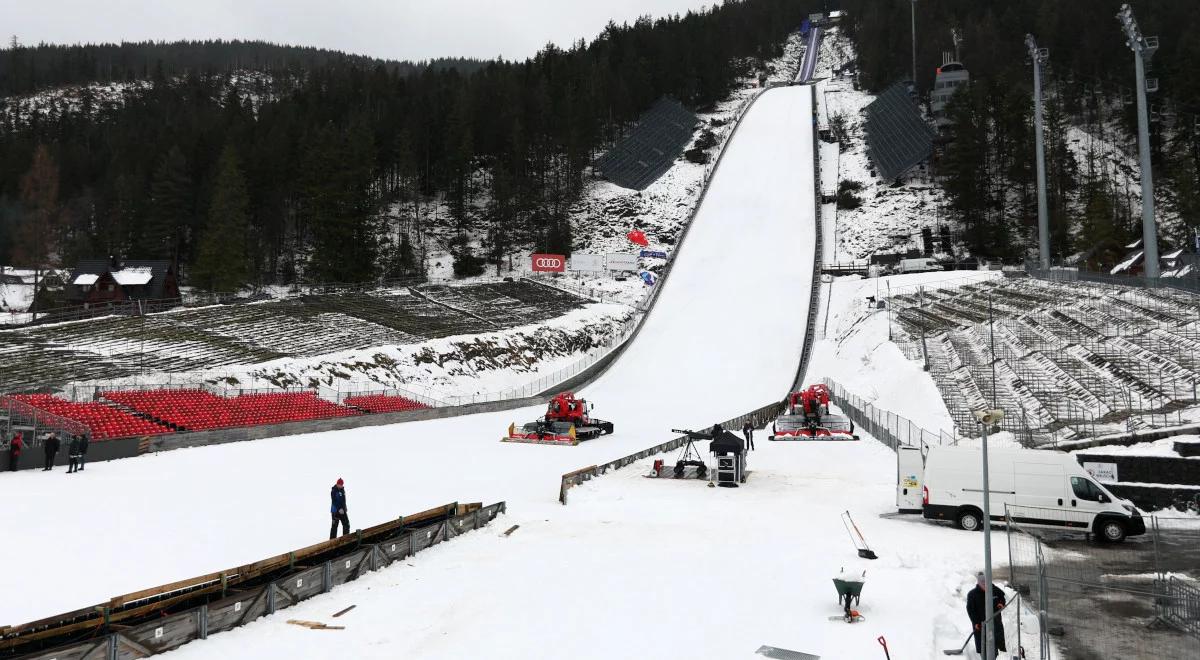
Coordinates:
[987,167]
[284,179]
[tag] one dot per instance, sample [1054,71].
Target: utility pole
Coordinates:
[1038,56]
[987,417]
[1143,49]
[914,44]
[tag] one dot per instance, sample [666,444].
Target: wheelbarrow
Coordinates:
[850,588]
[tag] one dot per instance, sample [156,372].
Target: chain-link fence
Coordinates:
[884,425]
[1136,599]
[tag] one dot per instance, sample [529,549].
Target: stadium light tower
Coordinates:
[1143,49]
[1038,56]
[914,44]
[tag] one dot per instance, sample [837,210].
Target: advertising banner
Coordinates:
[548,263]
[618,261]
[581,261]
[1105,473]
[653,254]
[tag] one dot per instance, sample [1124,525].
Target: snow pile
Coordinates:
[1164,448]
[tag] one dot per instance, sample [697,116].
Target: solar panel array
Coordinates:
[897,136]
[647,152]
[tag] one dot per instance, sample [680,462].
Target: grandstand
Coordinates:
[1071,360]
[44,357]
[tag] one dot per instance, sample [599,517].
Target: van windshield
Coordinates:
[1086,490]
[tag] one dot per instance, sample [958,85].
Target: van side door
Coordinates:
[1039,494]
[1086,499]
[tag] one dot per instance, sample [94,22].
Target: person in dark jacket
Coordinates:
[977,610]
[15,447]
[51,447]
[83,447]
[748,431]
[337,509]
[73,453]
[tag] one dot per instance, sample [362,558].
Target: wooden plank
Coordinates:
[511,530]
[315,625]
[178,585]
[138,648]
[579,472]
[344,611]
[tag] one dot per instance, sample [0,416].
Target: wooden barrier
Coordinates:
[149,622]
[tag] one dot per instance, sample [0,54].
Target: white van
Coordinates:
[919,265]
[1041,488]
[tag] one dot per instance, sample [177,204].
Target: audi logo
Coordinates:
[547,262]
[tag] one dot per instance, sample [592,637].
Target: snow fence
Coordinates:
[758,418]
[163,618]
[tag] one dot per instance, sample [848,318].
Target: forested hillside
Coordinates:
[27,69]
[989,167]
[242,190]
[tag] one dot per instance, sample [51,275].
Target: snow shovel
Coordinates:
[961,649]
[883,643]
[865,551]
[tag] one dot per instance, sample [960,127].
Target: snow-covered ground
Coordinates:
[658,568]
[700,358]
[447,370]
[854,349]
[1164,448]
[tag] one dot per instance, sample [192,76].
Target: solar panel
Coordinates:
[897,136]
[647,152]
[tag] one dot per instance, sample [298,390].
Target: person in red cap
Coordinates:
[337,508]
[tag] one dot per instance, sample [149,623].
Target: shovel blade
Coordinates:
[867,554]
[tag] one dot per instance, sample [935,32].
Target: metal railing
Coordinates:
[884,425]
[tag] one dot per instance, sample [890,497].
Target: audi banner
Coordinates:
[549,263]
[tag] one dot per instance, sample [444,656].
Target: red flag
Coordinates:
[638,236]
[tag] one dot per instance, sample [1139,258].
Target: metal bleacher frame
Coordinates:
[647,152]
[898,138]
[1071,360]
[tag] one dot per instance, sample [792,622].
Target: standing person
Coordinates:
[73,453]
[83,447]
[748,431]
[51,448]
[14,451]
[337,509]
[977,610]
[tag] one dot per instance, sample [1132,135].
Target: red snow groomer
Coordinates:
[808,418]
[566,422]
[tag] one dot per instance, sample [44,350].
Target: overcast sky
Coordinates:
[391,29]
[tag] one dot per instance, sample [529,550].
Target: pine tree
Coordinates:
[37,229]
[223,262]
[170,208]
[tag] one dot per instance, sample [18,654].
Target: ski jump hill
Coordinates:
[725,337]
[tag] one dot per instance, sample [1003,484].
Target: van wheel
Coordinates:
[969,519]
[1111,530]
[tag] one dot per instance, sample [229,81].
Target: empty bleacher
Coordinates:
[383,403]
[201,410]
[1063,360]
[103,422]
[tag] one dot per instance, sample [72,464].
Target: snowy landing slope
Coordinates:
[704,355]
[658,568]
